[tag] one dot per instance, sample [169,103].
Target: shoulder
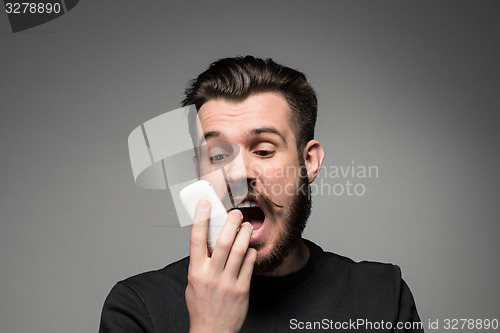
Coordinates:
[365,279]
[358,271]
[148,302]
[368,285]
[362,270]
[173,276]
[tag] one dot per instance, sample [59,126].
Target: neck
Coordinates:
[293,262]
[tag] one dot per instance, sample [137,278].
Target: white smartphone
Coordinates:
[201,189]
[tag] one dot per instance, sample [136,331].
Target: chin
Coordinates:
[263,249]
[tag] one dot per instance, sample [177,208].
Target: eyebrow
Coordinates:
[253,132]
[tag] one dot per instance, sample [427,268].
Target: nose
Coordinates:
[240,175]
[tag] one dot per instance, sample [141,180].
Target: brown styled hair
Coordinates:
[235,79]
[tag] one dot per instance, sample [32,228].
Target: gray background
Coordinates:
[411,87]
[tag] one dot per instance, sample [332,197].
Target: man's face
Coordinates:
[268,167]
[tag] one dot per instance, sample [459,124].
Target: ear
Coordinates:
[313,158]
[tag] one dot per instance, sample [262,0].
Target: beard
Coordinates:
[294,222]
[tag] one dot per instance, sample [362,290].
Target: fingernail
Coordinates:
[236,212]
[203,204]
[248,224]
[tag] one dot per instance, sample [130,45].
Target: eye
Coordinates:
[218,158]
[220,152]
[264,153]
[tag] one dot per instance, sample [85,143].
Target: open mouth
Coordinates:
[251,213]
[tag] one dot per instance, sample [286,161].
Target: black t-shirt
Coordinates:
[330,293]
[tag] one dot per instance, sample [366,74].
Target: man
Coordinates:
[261,276]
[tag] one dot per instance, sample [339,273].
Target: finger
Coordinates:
[198,242]
[226,239]
[239,250]
[246,270]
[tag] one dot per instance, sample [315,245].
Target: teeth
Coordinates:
[246,204]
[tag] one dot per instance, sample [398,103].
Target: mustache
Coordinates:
[252,194]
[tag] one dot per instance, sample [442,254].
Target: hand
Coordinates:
[218,286]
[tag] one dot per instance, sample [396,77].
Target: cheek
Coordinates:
[280,182]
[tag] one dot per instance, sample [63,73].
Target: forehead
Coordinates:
[263,110]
